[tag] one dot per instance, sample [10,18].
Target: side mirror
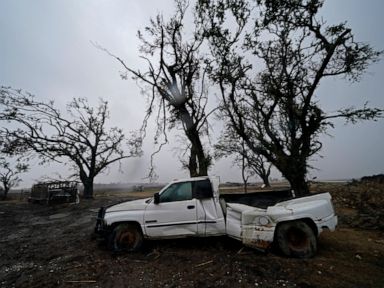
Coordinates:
[156,198]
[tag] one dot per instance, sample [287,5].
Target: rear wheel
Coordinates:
[296,239]
[125,237]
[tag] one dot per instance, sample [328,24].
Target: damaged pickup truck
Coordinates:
[194,207]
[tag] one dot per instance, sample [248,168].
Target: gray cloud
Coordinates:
[46,49]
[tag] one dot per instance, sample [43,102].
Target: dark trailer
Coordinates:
[54,192]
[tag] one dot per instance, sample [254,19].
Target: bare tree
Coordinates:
[82,137]
[260,166]
[269,58]
[250,164]
[176,76]
[9,174]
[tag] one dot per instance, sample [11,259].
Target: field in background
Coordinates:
[122,190]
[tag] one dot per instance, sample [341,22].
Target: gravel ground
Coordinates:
[51,246]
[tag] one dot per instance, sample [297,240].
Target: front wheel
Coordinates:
[296,239]
[125,237]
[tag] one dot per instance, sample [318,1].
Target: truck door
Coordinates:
[174,215]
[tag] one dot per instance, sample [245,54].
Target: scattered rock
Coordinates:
[58,216]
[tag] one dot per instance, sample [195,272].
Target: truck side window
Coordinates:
[177,192]
[202,189]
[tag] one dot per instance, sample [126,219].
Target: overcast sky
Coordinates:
[45,48]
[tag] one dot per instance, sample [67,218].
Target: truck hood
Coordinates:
[129,205]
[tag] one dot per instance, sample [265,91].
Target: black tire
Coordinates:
[126,237]
[296,239]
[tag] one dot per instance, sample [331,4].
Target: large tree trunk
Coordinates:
[87,183]
[294,169]
[243,174]
[299,186]
[5,191]
[192,165]
[297,180]
[197,151]
[203,162]
[245,181]
[265,175]
[88,188]
[265,179]
[197,155]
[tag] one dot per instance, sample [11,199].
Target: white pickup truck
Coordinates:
[194,207]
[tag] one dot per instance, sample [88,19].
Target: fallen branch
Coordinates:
[81,281]
[205,263]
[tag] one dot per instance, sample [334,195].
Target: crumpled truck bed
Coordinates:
[255,227]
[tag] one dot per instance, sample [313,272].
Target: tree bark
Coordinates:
[298,183]
[266,172]
[197,151]
[6,190]
[88,189]
[87,184]
[192,165]
[265,179]
[243,167]
[203,162]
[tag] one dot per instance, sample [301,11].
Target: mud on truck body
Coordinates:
[194,207]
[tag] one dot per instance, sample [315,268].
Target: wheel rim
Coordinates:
[297,239]
[126,239]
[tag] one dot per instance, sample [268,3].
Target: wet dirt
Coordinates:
[52,246]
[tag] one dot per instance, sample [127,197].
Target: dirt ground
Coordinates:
[51,246]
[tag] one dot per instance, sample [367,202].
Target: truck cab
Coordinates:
[185,208]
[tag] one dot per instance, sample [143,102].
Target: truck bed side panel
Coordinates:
[210,218]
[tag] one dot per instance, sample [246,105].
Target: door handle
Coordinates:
[190,206]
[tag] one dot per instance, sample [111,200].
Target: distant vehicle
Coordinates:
[194,207]
[55,192]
